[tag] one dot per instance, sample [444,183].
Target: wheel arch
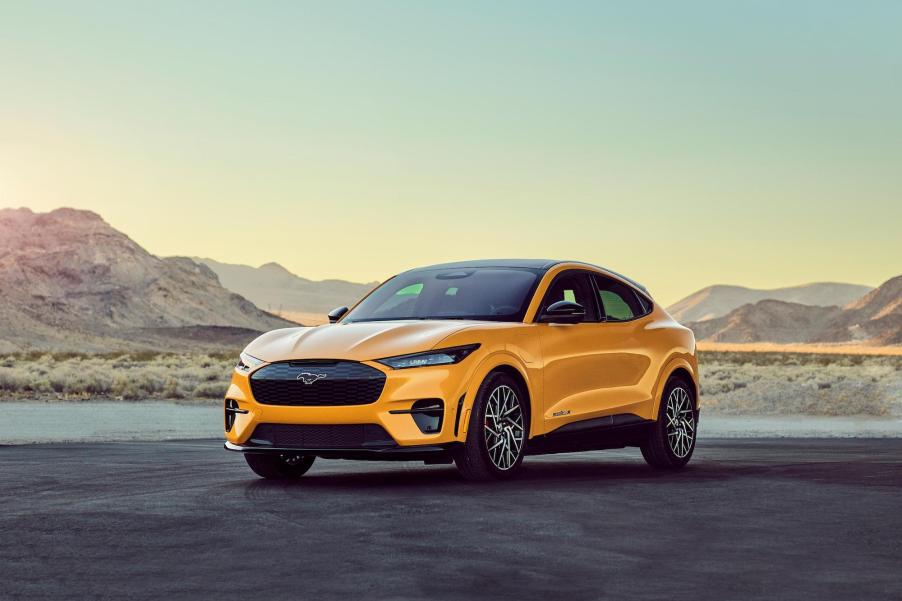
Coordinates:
[510,365]
[683,367]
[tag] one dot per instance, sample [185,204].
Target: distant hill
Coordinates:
[69,281]
[717,301]
[876,319]
[766,321]
[276,289]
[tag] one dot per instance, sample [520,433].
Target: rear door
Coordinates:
[623,347]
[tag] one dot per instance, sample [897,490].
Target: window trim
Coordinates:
[646,310]
[601,317]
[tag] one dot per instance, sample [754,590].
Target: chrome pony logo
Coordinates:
[309,378]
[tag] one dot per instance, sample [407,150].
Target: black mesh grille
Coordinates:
[315,436]
[317,384]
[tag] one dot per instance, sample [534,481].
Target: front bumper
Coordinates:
[391,411]
[427,453]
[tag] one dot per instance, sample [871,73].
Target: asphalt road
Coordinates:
[776,519]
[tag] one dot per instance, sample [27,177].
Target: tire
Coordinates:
[279,466]
[670,441]
[488,453]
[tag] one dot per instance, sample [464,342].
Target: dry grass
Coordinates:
[750,383]
[819,349]
[783,383]
[134,376]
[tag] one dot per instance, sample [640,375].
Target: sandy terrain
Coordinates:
[747,384]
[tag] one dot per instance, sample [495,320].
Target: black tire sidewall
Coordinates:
[273,466]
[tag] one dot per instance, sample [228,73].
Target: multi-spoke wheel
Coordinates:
[680,417]
[279,466]
[497,431]
[503,427]
[672,438]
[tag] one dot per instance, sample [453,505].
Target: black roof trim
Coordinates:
[522,263]
[543,264]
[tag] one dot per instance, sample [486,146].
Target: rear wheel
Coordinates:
[497,432]
[671,440]
[279,466]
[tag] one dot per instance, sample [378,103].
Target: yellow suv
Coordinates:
[479,363]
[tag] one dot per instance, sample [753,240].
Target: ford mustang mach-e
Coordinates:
[478,363]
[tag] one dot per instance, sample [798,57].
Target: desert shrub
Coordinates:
[12,380]
[209,390]
[800,384]
[731,383]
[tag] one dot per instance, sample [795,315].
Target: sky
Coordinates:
[684,144]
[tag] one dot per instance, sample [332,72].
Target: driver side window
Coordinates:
[573,286]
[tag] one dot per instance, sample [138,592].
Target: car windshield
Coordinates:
[483,293]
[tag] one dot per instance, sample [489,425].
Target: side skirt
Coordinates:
[609,432]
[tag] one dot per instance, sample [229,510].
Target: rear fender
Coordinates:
[687,362]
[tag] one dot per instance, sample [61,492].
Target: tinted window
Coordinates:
[483,293]
[646,303]
[573,286]
[619,301]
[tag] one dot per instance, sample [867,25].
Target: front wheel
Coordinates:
[671,440]
[497,432]
[279,466]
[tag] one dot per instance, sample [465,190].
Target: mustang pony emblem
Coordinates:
[310,378]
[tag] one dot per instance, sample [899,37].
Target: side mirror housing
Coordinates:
[563,312]
[336,314]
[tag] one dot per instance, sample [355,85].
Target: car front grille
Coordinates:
[317,383]
[316,436]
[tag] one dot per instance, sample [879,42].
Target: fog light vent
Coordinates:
[231,410]
[428,414]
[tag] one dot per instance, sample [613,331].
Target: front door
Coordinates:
[571,354]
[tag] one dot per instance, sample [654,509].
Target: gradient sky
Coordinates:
[685,144]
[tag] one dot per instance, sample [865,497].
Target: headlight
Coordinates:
[247,362]
[444,356]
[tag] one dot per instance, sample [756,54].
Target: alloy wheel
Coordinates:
[680,418]
[504,431]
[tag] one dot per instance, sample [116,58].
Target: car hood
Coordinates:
[362,341]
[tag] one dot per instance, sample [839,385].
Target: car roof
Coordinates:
[541,264]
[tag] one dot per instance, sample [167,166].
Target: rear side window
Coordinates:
[646,303]
[619,301]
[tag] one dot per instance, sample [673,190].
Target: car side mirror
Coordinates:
[336,314]
[563,312]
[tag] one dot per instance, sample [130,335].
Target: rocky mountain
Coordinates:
[716,301]
[876,319]
[69,281]
[766,321]
[274,288]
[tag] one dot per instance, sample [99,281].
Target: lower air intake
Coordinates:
[316,436]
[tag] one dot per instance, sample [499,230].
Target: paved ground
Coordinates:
[776,519]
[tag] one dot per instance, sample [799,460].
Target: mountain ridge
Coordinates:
[275,288]
[874,319]
[70,281]
[718,300]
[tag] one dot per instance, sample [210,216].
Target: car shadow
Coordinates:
[547,475]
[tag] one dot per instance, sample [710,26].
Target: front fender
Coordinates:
[488,364]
